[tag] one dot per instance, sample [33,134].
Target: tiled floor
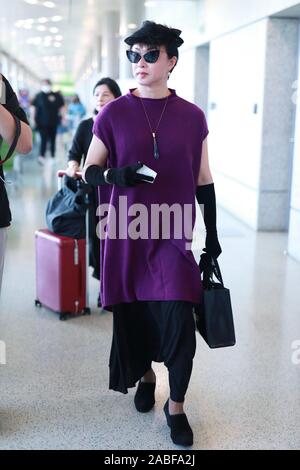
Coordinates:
[54,387]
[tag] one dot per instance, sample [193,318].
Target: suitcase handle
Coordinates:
[62,173]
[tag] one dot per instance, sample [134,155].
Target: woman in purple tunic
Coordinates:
[149,278]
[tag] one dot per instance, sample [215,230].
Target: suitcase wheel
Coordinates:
[63,316]
[37,303]
[86,311]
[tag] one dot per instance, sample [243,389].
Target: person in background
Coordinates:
[49,106]
[105,91]
[76,112]
[24,101]
[9,105]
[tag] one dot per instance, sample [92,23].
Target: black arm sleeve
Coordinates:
[206,195]
[77,148]
[94,175]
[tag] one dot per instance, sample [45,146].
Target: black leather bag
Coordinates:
[213,317]
[66,210]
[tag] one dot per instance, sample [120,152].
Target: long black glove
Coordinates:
[206,195]
[126,176]
[94,175]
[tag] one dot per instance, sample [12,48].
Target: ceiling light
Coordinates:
[132,26]
[35,40]
[56,18]
[43,20]
[59,37]
[41,28]
[57,44]
[31,2]
[49,4]
[19,23]
[54,30]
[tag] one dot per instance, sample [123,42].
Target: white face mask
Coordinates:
[46,88]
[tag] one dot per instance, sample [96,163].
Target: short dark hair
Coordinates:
[111,84]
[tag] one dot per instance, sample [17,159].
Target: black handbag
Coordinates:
[66,210]
[213,316]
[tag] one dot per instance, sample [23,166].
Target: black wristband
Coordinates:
[94,175]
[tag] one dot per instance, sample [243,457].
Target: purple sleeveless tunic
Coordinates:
[144,268]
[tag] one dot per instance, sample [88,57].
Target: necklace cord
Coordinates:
[156,153]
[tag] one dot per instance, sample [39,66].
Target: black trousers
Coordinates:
[160,331]
[48,134]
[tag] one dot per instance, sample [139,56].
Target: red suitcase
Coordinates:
[61,272]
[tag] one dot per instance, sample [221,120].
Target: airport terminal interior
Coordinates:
[240,64]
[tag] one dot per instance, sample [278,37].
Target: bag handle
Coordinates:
[15,141]
[214,269]
[217,271]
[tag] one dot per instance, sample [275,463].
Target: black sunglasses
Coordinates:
[150,56]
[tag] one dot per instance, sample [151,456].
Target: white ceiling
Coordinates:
[58,53]
[52,52]
[80,23]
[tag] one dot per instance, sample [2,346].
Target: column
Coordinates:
[110,44]
[278,124]
[132,16]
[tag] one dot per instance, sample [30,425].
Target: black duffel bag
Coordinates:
[213,316]
[66,210]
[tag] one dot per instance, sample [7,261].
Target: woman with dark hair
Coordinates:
[105,90]
[149,277]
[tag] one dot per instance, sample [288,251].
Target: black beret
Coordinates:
[155,34]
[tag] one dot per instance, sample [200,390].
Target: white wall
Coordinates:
[236,85]
[217,17]
[183,76]
[294,227]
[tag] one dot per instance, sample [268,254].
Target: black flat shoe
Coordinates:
[181,431]
[144,397]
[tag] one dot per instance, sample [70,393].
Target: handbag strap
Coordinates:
[208,274]
[15,141]
[217,271]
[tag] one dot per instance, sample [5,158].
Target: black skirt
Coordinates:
[144,332]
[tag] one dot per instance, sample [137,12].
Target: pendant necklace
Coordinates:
[155,146]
